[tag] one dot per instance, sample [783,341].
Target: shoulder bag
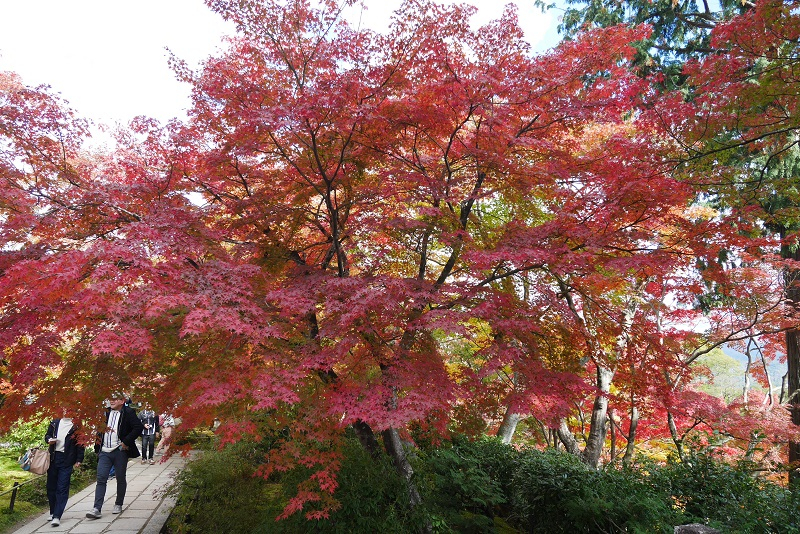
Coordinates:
[39,460]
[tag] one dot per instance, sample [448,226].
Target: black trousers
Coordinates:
[58,478]
[148,445]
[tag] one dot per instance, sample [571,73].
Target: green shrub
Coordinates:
[622,500]
[26,434]
[34,492]
[481,486]
[86,474]
[486,486]
[373,498]
[89,463]
[199,438]
[466,484]
[728,497]
[556,492]
[217,492]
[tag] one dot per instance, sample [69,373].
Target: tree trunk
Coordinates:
[746,387]
[793,360]
[599,421]
[552,438]
[783,394]
[792,281]
[367,438]
[768,400]
[394,446]
[567,439]
[630,448]
[613,438]
[676,438]
[508,426]
[752,445]
[510,419]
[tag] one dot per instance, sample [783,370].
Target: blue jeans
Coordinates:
[58,477]
[119,460]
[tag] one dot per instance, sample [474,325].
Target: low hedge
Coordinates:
[481,486]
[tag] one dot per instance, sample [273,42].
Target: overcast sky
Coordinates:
[108,58]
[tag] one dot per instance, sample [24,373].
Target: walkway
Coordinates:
[142,513]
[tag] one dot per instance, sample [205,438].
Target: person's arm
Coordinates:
[136,427]
[52,430]
[80,450]
[81,455]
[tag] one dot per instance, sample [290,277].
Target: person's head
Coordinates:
[116,400]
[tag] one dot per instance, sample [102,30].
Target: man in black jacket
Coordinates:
[115,445]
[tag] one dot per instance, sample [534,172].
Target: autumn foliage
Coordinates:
[422,229]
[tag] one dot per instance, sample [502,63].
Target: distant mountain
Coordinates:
[776,370]
[727,367]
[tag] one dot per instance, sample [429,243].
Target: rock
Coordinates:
[695,528]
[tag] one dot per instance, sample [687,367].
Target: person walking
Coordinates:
[149,434]
[115,445]
[66,455]
[167,424]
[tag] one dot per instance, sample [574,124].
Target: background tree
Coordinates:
[749,133]
[680,30]
[748,159]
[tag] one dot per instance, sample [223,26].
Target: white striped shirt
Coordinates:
[111,438]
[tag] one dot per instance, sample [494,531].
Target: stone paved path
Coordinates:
[142,513]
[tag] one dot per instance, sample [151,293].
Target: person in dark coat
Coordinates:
[150,433]
[116,444]
[66,454]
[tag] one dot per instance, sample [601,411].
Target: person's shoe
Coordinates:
[50,517]
[117,509]
[144,461]
[94,514]
[152,462]
[55,522]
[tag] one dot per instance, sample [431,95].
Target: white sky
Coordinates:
[108,58]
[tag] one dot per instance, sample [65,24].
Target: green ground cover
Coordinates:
[11,472]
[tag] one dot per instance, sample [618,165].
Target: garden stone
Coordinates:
[695,528]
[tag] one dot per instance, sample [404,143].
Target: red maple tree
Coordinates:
[367,231]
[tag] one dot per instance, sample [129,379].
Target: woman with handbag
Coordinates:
[66,455]
[166,424]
